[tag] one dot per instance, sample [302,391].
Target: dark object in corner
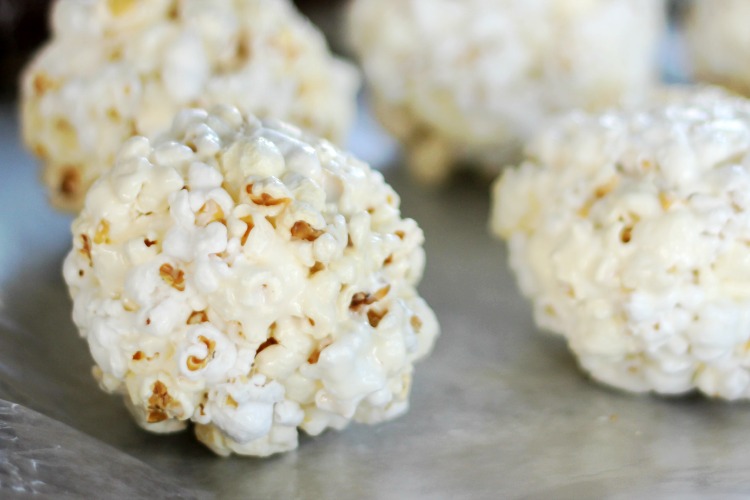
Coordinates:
[23,27]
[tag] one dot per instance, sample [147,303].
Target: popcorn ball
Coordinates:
[118,68]
[469,81]
[251,279]
[718,42]
[630,233]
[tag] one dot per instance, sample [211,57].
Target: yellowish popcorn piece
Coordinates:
[118,68]
[255,282]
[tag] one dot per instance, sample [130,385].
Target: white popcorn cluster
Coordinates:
[118,68]
[251,279]
[469,81]
[718,42]
[630,232]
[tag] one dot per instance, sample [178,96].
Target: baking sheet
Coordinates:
[498,411]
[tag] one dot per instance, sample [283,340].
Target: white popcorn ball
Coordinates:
[251,279]
[118,68]
[468,81]
[718,42]
[630,233]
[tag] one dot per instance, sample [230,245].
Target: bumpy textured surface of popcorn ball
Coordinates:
[118,68]
[469,81]
[250,279]
[718,42]
[630,232]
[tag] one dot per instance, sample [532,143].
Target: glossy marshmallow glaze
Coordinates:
[251,279]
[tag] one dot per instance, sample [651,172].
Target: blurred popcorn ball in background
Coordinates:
[118,68]
[469,81]
[718,42]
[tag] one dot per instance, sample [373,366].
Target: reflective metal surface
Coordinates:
[40,456]
[498,411]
